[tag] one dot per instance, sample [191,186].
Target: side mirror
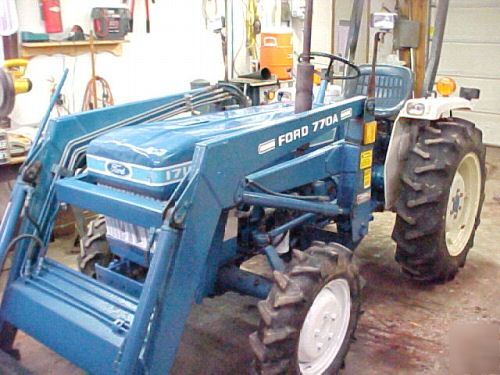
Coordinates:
[383,21]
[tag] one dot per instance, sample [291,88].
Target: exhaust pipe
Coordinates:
[263,74]
[305,70]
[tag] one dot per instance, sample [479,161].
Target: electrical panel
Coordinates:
[298,9]
[406,34]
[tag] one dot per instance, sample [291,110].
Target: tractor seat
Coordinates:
[393,87]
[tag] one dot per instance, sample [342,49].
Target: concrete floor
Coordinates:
[405,328]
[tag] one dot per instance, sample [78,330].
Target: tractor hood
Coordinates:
[152,158]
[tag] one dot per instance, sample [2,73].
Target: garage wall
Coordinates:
[322,25]
[471,55]
[178,50]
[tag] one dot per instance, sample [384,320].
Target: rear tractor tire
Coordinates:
[94,248]
[440,200]
[310,315]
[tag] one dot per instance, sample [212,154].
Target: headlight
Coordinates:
[415,109]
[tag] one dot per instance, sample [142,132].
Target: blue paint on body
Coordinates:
[112,325]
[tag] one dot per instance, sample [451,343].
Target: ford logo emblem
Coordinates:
[118,169]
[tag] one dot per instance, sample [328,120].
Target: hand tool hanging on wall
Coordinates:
[132,8]
[131,22]
[147,16]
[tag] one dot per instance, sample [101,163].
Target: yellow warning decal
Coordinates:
[370,132]
[366,159]
[367,178]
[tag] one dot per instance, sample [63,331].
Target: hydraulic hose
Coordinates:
[22,237]
[236,92]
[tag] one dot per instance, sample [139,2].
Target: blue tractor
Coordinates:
[186,200]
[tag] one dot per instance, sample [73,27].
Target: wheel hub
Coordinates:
[457,196]
[324,328]
[463,204]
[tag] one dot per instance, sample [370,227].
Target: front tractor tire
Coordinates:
[310,315]
[440,200]
[94,248]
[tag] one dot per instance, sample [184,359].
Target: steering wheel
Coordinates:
[333,58]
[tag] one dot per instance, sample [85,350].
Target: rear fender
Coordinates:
[404,135]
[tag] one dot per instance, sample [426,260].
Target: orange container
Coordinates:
[276,53]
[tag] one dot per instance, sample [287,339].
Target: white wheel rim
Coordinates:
[463,204]
[324,328]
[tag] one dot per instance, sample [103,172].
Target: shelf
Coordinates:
[76,48]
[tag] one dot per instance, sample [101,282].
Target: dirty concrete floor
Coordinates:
[404,329]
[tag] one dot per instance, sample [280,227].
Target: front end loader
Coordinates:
[184,202]
[170,222]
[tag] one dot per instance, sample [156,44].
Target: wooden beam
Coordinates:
[417,10]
